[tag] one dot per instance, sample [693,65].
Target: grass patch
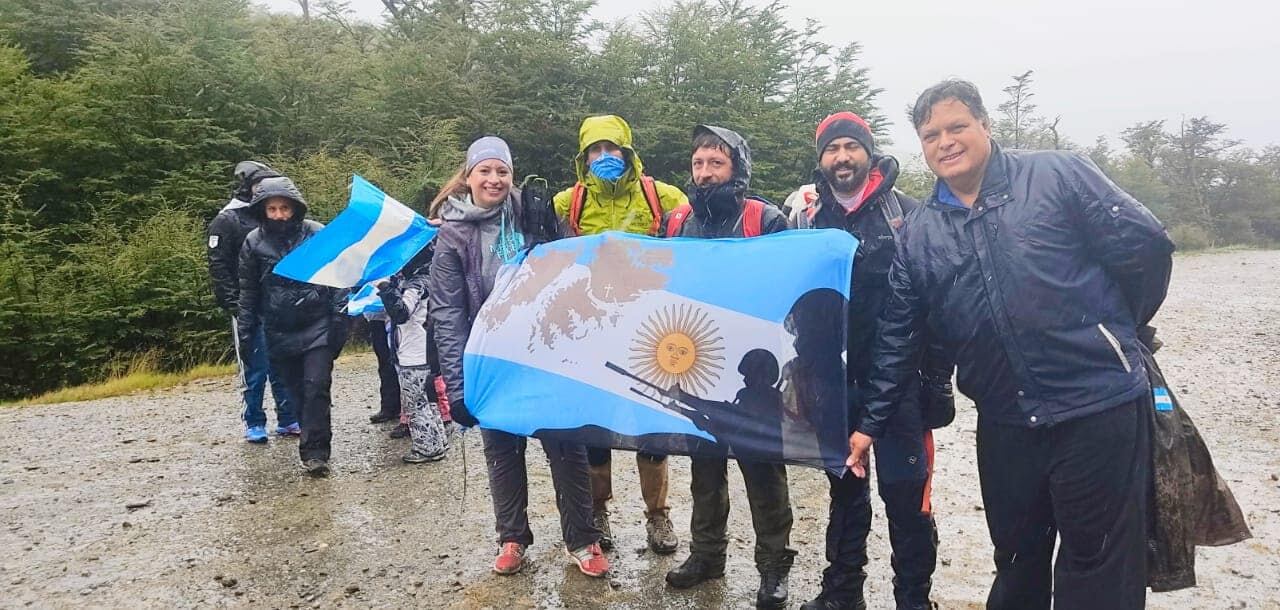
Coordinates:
[141,375]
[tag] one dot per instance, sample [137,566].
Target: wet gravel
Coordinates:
[153,500]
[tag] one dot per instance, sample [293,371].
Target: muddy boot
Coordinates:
[601,492]
[773,589]
[653,486]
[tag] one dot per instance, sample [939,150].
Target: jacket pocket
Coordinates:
[1115,346]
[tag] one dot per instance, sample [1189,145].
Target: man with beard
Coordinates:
[721,174]
[853,191]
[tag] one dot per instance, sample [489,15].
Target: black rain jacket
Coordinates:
[1037,291]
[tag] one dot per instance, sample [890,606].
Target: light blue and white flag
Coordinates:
[373,238]
[725,347]
[365,300]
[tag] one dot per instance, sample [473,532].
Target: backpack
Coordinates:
[538,214]
[752,217]
[579,198]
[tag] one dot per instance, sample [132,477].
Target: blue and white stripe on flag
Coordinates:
[1163,401]
[373,238]
[365,300]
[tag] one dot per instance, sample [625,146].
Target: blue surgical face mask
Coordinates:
[608,167]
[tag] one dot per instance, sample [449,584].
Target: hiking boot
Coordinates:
[316,467]
[773,590]
[380,417]
[824,603]
[510,558]
[256,434]
[413,457]
[696,569]
[590,560]
[662,535]
[400,431]
[601,521]
[290,430]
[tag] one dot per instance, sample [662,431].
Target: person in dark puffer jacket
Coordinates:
[1036,272]
[305,324]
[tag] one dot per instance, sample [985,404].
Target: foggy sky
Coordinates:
[1102,65]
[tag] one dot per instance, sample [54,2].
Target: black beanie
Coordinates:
[845,125]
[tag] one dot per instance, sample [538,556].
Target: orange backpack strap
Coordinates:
[752,217]
[655,203]
[576,201]
[678,216]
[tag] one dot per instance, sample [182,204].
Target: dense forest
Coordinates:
[120,121]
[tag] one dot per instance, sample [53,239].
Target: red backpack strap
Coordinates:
[752,217]
[678,216]
[655,204]
[576,201]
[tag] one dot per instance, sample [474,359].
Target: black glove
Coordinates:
[937,403]
[458,411]
[392,301]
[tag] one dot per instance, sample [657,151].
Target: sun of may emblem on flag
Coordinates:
[678,345]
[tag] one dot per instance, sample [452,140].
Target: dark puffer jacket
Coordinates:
[297,316]
[1037,291]
[721,223]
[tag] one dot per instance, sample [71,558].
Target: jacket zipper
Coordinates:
[1115,345]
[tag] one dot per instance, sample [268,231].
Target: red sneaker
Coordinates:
[591,560]
[510,558]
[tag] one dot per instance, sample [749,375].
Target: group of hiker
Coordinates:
[1027,275]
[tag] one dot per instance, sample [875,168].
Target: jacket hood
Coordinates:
[460,208]
[608,128]
[278,186]
[741,155]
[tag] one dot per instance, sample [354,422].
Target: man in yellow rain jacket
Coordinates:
[613,194]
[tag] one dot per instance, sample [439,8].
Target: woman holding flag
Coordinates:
[484,226]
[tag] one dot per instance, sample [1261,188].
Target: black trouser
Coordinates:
[509,487]
[388,381]
[599,457]
[1084,480]
[767,495]
[912,536]
[308,376]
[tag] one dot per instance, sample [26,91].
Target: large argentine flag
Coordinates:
[680,346]
[373,238]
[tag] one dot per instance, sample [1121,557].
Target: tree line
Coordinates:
[120,121]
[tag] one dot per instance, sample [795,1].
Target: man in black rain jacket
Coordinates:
[853,190]
[1035,271]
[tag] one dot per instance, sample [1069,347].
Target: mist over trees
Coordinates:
[120,121]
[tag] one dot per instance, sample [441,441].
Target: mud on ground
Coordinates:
[154,501]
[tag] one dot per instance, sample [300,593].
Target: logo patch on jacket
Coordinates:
[213,241]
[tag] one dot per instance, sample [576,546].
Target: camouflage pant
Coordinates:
[426,429]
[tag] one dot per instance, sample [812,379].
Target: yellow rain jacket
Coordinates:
[617,206]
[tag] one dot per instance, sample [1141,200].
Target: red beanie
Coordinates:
[845,125]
